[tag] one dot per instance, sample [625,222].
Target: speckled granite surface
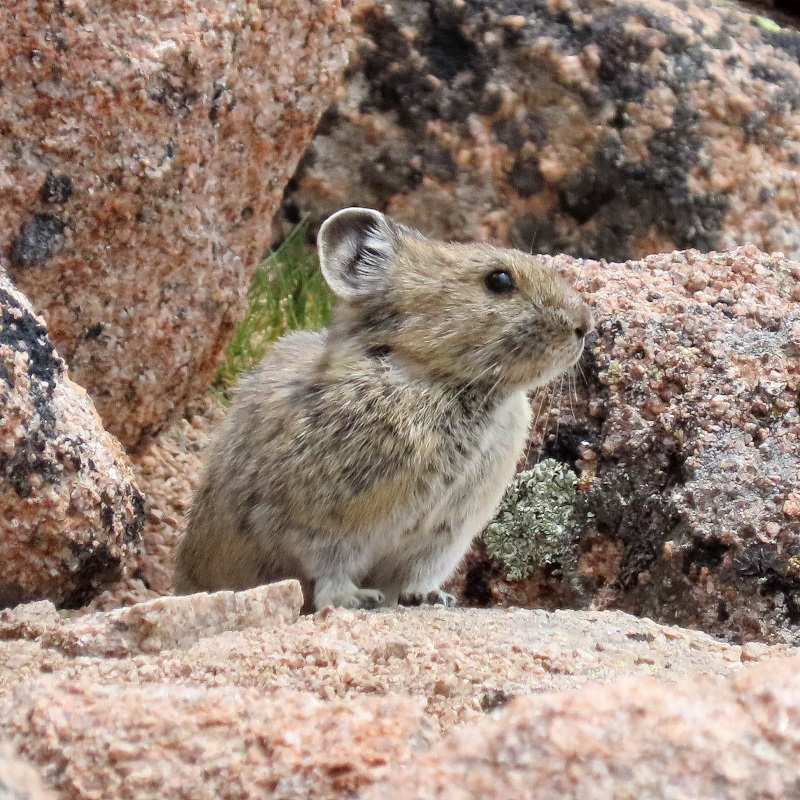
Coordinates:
[684,427]
[155,742]
[329,705]
[70,510]
[457,662]
[143,152]
[731,740]
[596,128]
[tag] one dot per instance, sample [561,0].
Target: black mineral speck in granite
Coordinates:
[38,240]
[56,189]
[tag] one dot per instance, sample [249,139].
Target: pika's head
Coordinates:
[460,312]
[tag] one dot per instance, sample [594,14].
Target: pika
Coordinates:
[363,459]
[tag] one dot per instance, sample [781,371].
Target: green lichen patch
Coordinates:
[287,292]
[534,523]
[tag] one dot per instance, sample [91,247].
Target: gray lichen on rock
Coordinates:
[534,522]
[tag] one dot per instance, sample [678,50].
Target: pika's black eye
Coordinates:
[500,282]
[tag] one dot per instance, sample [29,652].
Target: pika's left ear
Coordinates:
[356,247]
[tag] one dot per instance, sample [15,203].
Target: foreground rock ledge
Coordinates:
[732,740]
[159,742]
[170,623]
[459,662]
[70,511]
[223,696]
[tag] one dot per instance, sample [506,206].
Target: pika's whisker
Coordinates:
[542,393]
[537,394]
[582,374]
[560,397]
[550,401]
[571,393]
[533,239]
[471,383]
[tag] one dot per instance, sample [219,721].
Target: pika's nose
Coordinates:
[584,320]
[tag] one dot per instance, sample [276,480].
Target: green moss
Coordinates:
[767,24]
[287,292]
[534,522]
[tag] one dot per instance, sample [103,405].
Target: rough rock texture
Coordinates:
[29,620]
[19,780]
[458,662]
[168,469]
[70,511]
[731,740]
[216,744]
[685,432]
[143,152]
[174,622]
[329,704]
[599,128]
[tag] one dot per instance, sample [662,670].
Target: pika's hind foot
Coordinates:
[347,597]
[436,597]
[366,598]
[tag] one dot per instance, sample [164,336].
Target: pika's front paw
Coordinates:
[436,597]
[358,598]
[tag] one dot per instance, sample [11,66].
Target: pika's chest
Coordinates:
[474,447]
[475,464]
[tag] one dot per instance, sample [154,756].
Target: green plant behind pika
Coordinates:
[534,522]
[287,293]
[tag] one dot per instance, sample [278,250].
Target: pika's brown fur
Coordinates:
[363,459]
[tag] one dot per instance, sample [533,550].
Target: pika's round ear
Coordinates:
[356,246]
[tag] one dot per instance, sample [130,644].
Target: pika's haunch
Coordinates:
[363,459]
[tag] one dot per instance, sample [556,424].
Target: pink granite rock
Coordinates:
[332,704]
[458,663]
[169,623]
[600,128]
[684,429]
[70,511]
[29,621]
[143,152]
[227,743]
[730,740]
